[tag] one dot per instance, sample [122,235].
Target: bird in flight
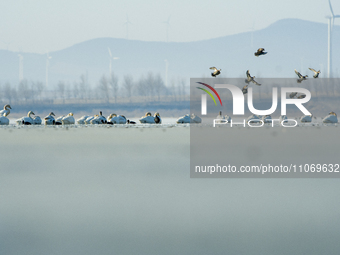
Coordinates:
[260,52]
[316,73]
[301,77]
[251,79]
[216,71]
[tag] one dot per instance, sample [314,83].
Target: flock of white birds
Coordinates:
[32,119]
[113,118]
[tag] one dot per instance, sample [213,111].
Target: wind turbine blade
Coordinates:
[330,7]
[109,52]
[337,16]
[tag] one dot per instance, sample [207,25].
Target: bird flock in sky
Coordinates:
[261,52]
[330,118]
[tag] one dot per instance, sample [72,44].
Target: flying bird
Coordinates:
[293,94]
[316,73]
[251,79]
[260,52]
[301,77]
[216,71]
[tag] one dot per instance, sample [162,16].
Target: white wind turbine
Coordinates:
[114,58]
[166,72]
[127,23]
[21,67]
[330,27]
[7,44]
[167,25]
[252,35]
[48,57]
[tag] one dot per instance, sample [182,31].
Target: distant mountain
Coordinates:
[291,44]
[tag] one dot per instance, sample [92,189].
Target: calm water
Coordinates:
[128,191]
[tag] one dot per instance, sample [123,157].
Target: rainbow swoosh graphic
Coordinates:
[209,93]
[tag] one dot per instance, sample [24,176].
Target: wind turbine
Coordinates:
[7,44]
[330,28]
[48,57]
[114,58]
[127,23]
[166,72]
[167,25]
[252,35]
[21,67]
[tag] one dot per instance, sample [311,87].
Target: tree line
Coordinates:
[109,89]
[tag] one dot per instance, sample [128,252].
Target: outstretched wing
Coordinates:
[298,74]
[213,68]
[248,74]
[256,82]
[260,50]
[312,70]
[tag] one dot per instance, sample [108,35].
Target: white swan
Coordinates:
[306,118]
[49,119]
[99,119]
[5,111]
[3,114]
[88,120]
[330,118]
[156,119]
[195,118]
[36,120]
[267,119]
[184,119]
[147,118]
[58,120]
[26,120]
[254,119]
[109,118]
[116,119]
[4,120]
[223,119]
[82,119]
[68,120]
[220,118]
[189,119]
[227,118]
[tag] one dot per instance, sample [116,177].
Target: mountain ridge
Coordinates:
[291,44]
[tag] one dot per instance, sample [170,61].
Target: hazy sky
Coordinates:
[48,25]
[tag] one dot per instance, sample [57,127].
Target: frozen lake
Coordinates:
[127,191]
